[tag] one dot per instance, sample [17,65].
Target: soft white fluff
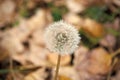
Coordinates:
[61,37]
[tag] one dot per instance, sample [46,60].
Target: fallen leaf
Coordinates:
[53,57]
[67,73]
[74,19]
[40,74]
[93,28]
[92,65]
[75,6]
[100,61]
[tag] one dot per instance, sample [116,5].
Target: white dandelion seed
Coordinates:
[61,38]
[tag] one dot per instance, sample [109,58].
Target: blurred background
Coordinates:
[23,53]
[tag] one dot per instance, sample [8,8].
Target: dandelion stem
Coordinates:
[57,67]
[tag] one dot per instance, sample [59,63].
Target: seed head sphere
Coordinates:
[61,38]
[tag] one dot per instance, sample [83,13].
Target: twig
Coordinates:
[19,69]
[114,62]
[11,69]
[109,74]
[116,53]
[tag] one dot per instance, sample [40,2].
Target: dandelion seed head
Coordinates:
[61,37]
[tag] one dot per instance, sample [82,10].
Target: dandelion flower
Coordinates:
[61,37]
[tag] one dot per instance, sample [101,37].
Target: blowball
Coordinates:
[62,38]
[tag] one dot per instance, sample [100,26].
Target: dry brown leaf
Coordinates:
[17,76]
[116,77]
[80,56]
[40,74]
[108,41]
[117,2]
[93,28]
[67,73]
[116,24]
[114,5]
[22,58]
[74,6]
[74,19]
[38,37]
[62,77]
[92,64]
[13,39]
[52,58]
[7,11]
[88,3]
[36,56]
[100,61]
[41,19]
[11,44]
